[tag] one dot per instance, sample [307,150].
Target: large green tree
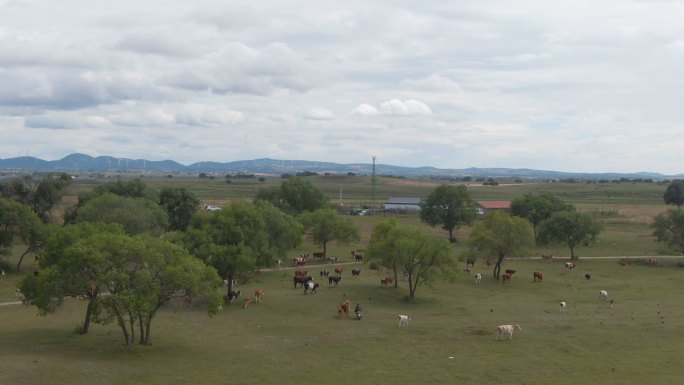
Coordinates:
[140,274]
[668,228]
[326,225]
[421,257]
[537,207]
[134,188]
[450,206]
[20,225]
[136,215]
[502,235]
[571,227]
[40,195]
[180,205]
[674,194]
[294,196]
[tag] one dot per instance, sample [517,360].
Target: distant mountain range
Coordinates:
[84,163]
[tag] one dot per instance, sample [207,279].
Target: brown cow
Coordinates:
[538,276]
[547,257]
[339,270]
[259,295]
[248,301]
[510,271]
[505,278]
[300,273]
[344,308]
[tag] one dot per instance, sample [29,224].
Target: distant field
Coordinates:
[291,338]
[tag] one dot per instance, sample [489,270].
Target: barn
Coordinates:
[484,207]
[403,203]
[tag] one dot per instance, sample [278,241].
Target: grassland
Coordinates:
[294,339]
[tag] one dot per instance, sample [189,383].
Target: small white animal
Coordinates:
[603,295]
[562,306]
[502,330]
[404,319]
[478,278]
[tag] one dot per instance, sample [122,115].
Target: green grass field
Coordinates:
[291,338]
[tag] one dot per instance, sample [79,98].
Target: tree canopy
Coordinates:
[450,206]
[19,223]
[674,194]
[571,227]
[502,235]
[180,205]
[136,215]
[326,225]
[294,196]
[668,228]
[537,207]
[412,251]
[40,195]
[135,188]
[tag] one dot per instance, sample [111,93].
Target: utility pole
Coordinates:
[373,181]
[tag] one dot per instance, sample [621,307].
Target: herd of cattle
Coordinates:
[303,279]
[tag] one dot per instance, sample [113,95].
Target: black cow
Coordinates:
[334,279]
[356,272]
[311,286]
[301,280]
[233,295]
[325,273]
[587,277]
[471,262]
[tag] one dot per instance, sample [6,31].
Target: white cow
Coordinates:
[562,306]
[603,295]
[404,319]
[502,330]
[478,278]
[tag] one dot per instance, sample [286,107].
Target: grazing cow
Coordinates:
[248,301]
[339,270]
[310,286]
[390,280]
[279,263]
[603,295]
[356,272]
[324,273]
[503,330]
[404,319]
[334,279]
[505,278]
[299,261]
[562,306]
[587,277]
[611,302]
[538,276]
[344,308]
[233,295]
[318,255]
[301,280]
[383,282]
[466,270]
[546,257]
[488,262]
[570,266]
[510,271]
[259,295]
[2,274]
[623,263]
[358,257]
[471,262]
[332,259]
[478,278]
[300,273]
[652,261]
[18,294]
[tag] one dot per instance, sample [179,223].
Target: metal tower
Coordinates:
[373,181]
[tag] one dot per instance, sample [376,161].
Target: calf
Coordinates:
[404,319]
[344,308]
[334,279]
[356,272]
[310,286]
[233,295]
[537,276]
[505,278]
[546,257]
[478,278]
[466,270]
[332,259]
[502,330]
[248,301]
[562,306]
[339,270]
[259,295]
[587,277]
[570,266]
[301,280]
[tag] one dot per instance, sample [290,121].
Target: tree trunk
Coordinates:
[21,258]
[451,236]
[396,276]
[89,315]
[148,328]
[230,287]
[325,250]
[497,267]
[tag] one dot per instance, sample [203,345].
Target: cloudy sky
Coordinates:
[588,86]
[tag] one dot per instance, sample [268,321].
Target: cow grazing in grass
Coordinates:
[324,273]
[478,278]
[403,320]
[383,282]
[570,266]
[587,277]
[623,263]
[339,270]
[344,308]
[301,280]
[603,295]
[611,302]
[356,272]
[332,259]
[299,261]
[334,280]
[510,271]
[505,278]
[318,255]
[562,306]
[471,262]
[279,263]
[312,286]
[259,295]
[466,270]
[358,257]
[652,261]
[2,274]
[503,330]
[234,294]
[538,276]
[300,273]
[546,257]
[248,302]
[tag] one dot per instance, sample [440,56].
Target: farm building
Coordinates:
[406,203]
[484,207]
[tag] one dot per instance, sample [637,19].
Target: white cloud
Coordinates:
[319,113]
[404,107]
[365,109]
